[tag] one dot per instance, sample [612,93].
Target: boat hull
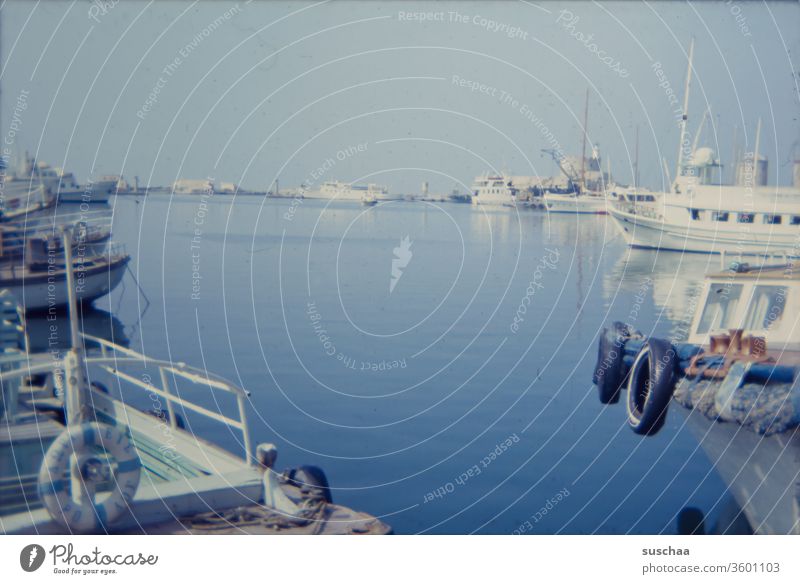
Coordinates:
[762,472]
[39,292]
[572,204]
[497,202]
[99,196]
[655,233]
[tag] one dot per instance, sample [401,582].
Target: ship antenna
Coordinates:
[685,115]
[583,151]
[735,158]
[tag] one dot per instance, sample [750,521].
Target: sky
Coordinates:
[394,93]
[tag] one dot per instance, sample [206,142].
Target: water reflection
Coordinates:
[673,280]
[51,331]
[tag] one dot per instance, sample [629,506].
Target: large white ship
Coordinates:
[714,219]
[698,215]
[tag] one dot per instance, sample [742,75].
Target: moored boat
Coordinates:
[41,283]
[494,190]
[700,214]
[590,203]
[736,383]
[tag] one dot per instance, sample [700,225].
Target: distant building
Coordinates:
[118,181]
[186,186]
[226,188]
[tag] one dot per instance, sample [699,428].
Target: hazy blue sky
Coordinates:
[263,89]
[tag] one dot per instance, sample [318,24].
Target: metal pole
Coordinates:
[755,154]
[76,385]
[583,151]
[735,157]
[248,453]
[72,303]
[636,161]
[685,116]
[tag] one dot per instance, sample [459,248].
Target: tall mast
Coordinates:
[636,161]
[583,150]
[685,116]
[755,154]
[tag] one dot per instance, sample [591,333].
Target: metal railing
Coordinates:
[112,355]
[783,257]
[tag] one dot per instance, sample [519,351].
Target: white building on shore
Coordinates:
[186,186]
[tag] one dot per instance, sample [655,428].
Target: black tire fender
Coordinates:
[651,382]
[608,372]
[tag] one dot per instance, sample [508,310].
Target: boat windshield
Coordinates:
[720,308]
[766,308]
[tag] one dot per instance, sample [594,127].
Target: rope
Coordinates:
[312,511]
[141,291]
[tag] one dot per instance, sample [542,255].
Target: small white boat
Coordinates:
[41,284]
[22,200]
[589,203]
[37,237]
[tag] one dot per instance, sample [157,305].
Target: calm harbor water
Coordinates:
[434,358]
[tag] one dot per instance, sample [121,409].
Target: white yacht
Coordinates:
[698,215]
[60,184]
[494,190]
[714,219]
[342,191]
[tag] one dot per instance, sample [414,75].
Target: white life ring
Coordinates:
[55,479]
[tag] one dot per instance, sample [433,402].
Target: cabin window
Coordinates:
[719,216]
[772,219]
[746,217]
[720,308]
[766,308]
[795,220]
[695,213]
